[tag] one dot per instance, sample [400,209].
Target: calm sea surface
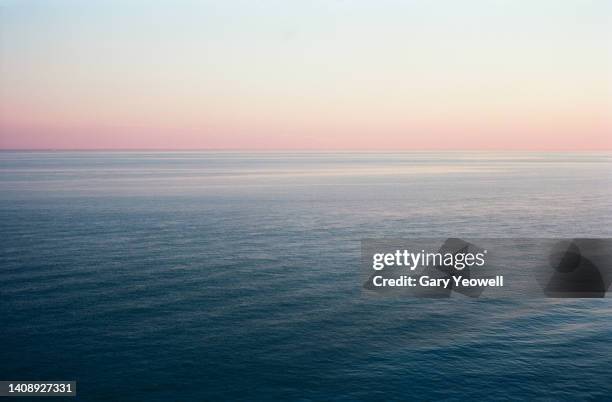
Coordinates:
[179,276]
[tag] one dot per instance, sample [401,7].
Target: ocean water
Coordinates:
[198,276]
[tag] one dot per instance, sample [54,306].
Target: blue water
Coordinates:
[167,276]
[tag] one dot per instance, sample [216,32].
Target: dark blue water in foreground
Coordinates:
[229,276]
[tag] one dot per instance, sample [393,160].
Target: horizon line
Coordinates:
[254,150]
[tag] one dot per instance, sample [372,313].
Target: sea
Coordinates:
[222,276]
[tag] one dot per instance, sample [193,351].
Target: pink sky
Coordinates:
[324,75]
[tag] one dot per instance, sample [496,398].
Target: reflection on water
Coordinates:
[225,275]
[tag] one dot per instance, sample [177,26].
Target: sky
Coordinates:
[328,75]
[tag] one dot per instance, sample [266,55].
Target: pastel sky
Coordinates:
[256,74]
